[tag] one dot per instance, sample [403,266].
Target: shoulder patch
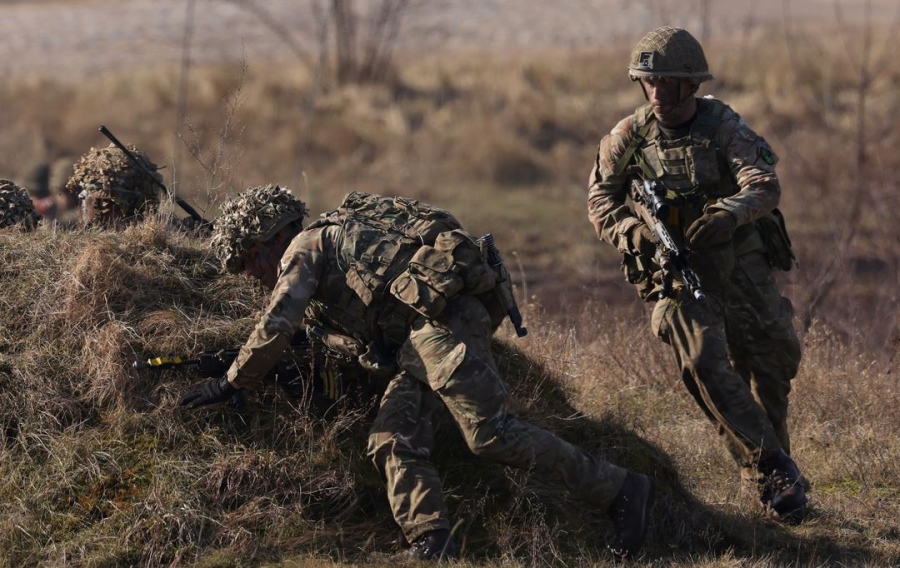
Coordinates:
[766,154]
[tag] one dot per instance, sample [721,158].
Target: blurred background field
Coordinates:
[492,109]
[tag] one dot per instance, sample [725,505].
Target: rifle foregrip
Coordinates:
[516,318]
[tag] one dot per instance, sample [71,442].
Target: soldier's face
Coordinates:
[668,97]
[260,263]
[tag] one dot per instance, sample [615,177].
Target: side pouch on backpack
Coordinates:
[478,276]
[777,242]
[428,282]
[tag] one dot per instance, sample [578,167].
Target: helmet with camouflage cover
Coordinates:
[113,185]
[16,208]
[253,216]
[669,52]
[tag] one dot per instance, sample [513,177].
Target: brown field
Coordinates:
[492,110]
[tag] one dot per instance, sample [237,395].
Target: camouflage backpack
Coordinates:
[415,251]
[16,208]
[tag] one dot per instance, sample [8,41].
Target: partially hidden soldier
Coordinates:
[314,364]
[111,189]
[736,347]
[398,284]
[17,210]
[46,184]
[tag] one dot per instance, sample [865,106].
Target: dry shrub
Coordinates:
[106,369]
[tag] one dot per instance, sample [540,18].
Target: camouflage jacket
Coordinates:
[303,266]
[319,284]
[360,275]
[739,175]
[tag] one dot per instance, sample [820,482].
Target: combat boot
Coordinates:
[436,545]
[630,514]
[783,488]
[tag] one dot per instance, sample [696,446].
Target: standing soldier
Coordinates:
[411,296]
[112,189]
[736,348]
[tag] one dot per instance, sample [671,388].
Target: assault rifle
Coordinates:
[209,364]
[286,373]
[143,167]
[504,284]
[653,207]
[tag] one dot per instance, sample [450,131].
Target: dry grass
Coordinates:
[99,467]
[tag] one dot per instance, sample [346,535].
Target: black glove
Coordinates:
[711,229]
[211,392]
[642,242]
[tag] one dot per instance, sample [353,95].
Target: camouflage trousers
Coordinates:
[738,352]
[448,361]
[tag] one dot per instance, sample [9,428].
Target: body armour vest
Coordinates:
[692,168]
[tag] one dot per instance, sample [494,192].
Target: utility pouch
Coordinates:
[454,265]
[428,282]
[703,165]
[774,234]
[478,276]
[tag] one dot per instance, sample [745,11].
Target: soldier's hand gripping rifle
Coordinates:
[292,376]
[209,364]
[504,284]
[653,207]
[143,167]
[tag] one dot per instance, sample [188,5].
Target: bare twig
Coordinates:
[280,30]
[181,103]
[309,115]
[216,166]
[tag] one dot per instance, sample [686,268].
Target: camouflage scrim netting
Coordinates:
[115,182]
[16,207]
[669,52]
[255,215]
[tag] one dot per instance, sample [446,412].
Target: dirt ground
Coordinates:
[75,39]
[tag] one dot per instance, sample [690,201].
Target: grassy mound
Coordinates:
[100,467]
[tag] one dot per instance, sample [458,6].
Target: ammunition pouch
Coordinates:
[454,265]
[777,243]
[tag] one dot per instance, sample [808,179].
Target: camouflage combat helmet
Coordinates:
[669,52]
[16,207]
[253,216]
[114,185]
